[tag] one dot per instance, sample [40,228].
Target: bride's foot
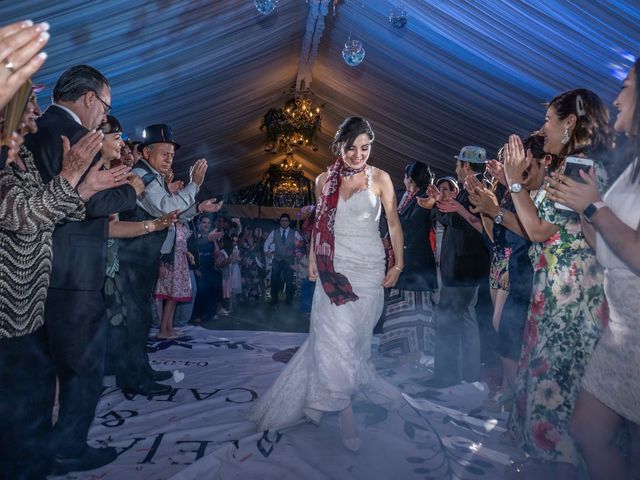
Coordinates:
[348,430]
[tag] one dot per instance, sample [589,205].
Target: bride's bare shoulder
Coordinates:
[320,179]
[379,175]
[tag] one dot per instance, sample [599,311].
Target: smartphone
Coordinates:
[572,167]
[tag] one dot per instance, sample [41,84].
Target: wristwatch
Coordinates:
[499,217]
[592,208]
[515,187]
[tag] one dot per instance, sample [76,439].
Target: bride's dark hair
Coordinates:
[348,131]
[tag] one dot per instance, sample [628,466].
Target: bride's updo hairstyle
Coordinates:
[347,133]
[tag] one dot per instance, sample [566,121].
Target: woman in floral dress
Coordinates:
[174,282]
[568,308]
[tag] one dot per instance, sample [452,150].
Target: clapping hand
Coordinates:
[136,182]
[176,186]
[450,205]
[77,158]
[496,170]
[20,43]
[198,171]
[433,194]
[165,221]
[515,160]
[210,206]
[215,235]
[483,200]
[98,179]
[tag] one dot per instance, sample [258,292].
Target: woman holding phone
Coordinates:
[567,307]
[611,386]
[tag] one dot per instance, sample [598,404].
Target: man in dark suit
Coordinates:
[74,311]
[464,262]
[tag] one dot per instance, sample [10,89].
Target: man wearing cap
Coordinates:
[464,262]
[140,256]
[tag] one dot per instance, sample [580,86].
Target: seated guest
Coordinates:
[74,309]
[29,211]
[140,256]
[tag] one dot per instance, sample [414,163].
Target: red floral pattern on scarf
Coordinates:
[336,285]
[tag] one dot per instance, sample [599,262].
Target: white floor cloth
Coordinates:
[200,430]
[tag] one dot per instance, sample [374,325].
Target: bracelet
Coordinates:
[146,227]
[81,197]
[397,268]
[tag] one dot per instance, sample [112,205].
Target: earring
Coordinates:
[565,136]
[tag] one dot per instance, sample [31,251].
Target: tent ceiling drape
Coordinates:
[464,72]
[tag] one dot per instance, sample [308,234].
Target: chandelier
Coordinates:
[295,124]
[286,176]
[288,184]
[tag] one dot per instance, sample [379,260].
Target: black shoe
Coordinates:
[148,389]
[160,375]
[91,459]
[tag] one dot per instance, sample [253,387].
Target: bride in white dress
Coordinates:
[348,258]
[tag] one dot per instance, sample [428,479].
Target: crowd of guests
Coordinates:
[555,250]
[92,228]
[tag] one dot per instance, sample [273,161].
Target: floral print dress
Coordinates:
[567,312]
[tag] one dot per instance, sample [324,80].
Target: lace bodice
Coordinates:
[360,214]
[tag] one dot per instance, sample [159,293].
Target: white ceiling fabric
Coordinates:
[460,72]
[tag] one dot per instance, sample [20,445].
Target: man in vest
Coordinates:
[280,244]
[140,256]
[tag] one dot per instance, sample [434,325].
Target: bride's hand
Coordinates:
[313,271]
[391,278]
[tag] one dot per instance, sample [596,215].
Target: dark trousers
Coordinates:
[457,340]
[27,385]
[209,294]
[281,269]
[138,282]
[77,328]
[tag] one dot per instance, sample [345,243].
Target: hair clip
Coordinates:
[580,106]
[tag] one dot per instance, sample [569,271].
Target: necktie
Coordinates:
[284,236]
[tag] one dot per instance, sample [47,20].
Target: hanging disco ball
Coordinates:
[353,53]
[265,7]
[398,17]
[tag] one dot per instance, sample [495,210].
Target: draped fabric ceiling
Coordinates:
[460,72]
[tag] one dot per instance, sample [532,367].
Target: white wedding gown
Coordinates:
[334,362]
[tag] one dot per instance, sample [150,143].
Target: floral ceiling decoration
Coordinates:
[294,125]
